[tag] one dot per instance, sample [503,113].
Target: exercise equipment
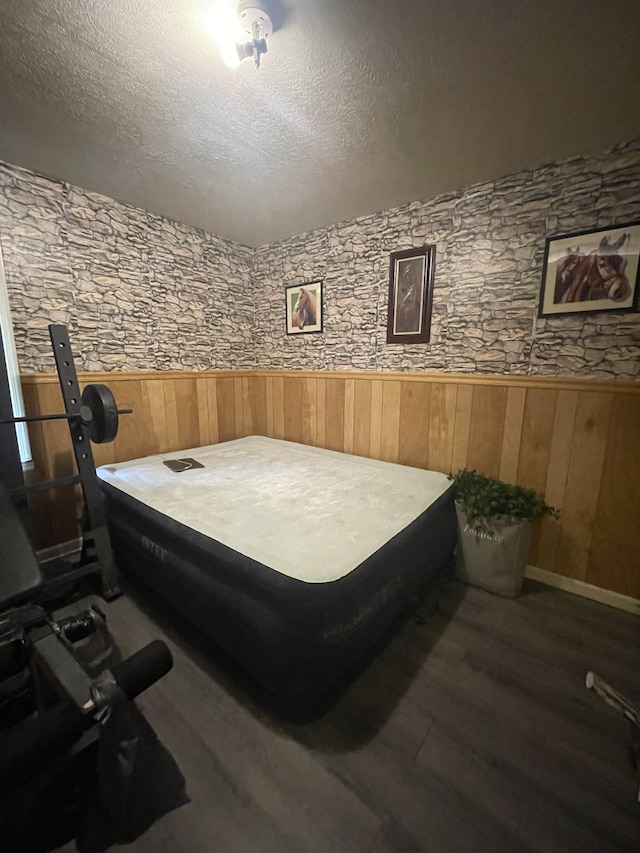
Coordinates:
[60,682]
[98,411]
[92,416]
[40,740]
[44,648]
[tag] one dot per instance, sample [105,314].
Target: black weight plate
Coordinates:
[103,425]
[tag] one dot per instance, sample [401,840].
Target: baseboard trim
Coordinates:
[63,549]
[586,590]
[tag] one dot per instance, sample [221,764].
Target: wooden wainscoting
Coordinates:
[575,441]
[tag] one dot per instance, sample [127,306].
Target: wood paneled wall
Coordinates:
[575,441]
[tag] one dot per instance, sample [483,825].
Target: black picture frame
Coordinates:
[411,275]
[303,308]
[588,271]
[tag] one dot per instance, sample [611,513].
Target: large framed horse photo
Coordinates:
[591,271]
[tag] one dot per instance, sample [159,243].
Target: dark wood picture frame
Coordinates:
[303,308]
[411,275]
[587,271]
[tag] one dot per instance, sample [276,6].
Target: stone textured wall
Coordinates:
[490,241]
[142,292]
[138,291]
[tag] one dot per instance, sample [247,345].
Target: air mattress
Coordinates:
[294,559]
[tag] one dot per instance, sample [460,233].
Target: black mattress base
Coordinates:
[296,638]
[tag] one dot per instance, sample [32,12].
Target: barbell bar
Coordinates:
[98,411]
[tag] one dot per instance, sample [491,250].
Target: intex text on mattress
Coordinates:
[293,558]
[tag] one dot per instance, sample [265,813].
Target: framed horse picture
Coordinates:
[410,295]
[303,308]
[591,271]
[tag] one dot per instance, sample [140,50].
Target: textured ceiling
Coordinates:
[360,105]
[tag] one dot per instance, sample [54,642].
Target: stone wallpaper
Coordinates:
[490,241]
[139,291]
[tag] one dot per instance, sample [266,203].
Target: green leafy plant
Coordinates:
[483,498]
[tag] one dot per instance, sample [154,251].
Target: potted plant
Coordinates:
[495,523]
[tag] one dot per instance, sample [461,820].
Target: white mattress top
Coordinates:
[309,513]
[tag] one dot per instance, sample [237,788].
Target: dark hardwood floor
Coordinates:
[471,732]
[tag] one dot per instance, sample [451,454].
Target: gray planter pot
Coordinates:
[495,562]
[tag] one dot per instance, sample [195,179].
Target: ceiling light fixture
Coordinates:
[247,35]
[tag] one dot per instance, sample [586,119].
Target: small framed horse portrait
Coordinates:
[304,308]
[591,271]
[410,295]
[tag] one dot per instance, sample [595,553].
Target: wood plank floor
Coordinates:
[471,732]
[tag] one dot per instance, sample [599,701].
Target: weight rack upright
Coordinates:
[96,555]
